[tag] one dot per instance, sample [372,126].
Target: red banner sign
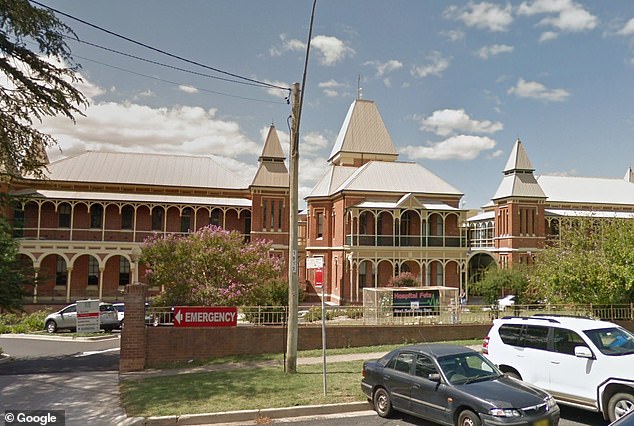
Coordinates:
[205,316]
[319,277]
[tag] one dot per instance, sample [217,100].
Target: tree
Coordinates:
[32,86]
[209,267]
[496,281]
[12,279]
[592,261]
[404,279]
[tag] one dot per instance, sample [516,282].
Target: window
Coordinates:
[404,362]
[247,225]
[61,273]
[124,271]
[186,220]
[18,222]
[272,224]
[64,215]
[96,216]
[320,225]
[127,217]
[264,205]
[564,341]
[405,223]
[363,225]
[280,213]
[214,217]
[510,334]
[425,366]
[535,337]
[157,219]
[93,271]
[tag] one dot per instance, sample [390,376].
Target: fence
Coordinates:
[358,315]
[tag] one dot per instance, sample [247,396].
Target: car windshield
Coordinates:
[612,341]
[467,368]
[120,308]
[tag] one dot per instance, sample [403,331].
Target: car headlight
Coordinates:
[504,412]
[550,401]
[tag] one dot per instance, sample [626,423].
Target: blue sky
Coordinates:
[456,82]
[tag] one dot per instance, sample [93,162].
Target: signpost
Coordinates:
[88,320]
[205,316]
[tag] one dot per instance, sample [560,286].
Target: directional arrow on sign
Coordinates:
[178,317]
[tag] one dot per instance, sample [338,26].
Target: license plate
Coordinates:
[542,422]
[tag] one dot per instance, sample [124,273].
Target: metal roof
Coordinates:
[363,131]
[490,215]
[139,198]
[145,169]
[395,205]
[587,190]
[589,213]
[519,184]
[518,160]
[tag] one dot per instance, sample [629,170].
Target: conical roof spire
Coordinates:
[518,180]
[629,175]
[518,160]
[272,147]
[272,171]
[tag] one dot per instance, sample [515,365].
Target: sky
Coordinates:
[456,82]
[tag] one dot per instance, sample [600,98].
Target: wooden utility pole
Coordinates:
[297,96]
[293,278]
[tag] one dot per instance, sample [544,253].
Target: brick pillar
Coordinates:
[133,337]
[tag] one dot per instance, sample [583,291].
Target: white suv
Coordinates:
[582,362]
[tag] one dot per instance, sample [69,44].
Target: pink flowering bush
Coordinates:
[404,279]
[209,267]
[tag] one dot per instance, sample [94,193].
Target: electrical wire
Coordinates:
[262,83]
[175,83]
[150,61]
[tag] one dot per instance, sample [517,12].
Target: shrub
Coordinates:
[404,279]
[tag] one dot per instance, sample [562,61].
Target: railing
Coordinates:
[405,241]
[391,315]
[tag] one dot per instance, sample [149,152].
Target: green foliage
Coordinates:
[12,279]
[38,84]
[211,267]
[591,262]
[496,281]
[22,323]
[404,279]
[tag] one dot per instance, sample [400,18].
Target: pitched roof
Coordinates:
[587,190]
[518,160]
[381,176]
[363,131]
[144,169]
[272,171]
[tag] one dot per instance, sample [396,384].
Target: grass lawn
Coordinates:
[249,388]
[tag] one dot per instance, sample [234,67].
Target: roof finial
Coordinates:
[359,90]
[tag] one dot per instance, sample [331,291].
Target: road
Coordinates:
[570,417]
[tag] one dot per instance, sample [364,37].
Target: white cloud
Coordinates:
[333,88]
[488,16]
[448,121]
[564,15]
[453,35]
[436,65]
[331,50]
[548,36]
[536,90]
[460,147]
[383,68]
[312,143]
[187,89]
[486,52]
[132,127]
[273,91]
[628,28]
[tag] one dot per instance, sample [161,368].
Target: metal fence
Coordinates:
[358,315]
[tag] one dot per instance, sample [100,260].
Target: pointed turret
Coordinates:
[629,175]
[518,180]
[363,137]
[272,171]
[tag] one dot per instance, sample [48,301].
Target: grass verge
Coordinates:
[249,388]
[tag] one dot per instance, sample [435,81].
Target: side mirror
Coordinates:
[434,377]
[583,352]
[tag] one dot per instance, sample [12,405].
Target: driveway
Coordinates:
[85,385]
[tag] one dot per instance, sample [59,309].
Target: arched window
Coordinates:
[64,215]
[61,272]
[186,220]
[127,217]
[157,218]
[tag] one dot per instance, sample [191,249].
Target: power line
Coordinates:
[175,83]
[160,50]
[163,64]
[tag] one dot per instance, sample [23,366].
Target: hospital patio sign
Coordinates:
[205,316]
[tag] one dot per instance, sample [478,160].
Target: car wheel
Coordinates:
[51,326]
[468,418]
[382,402]
[620,403]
